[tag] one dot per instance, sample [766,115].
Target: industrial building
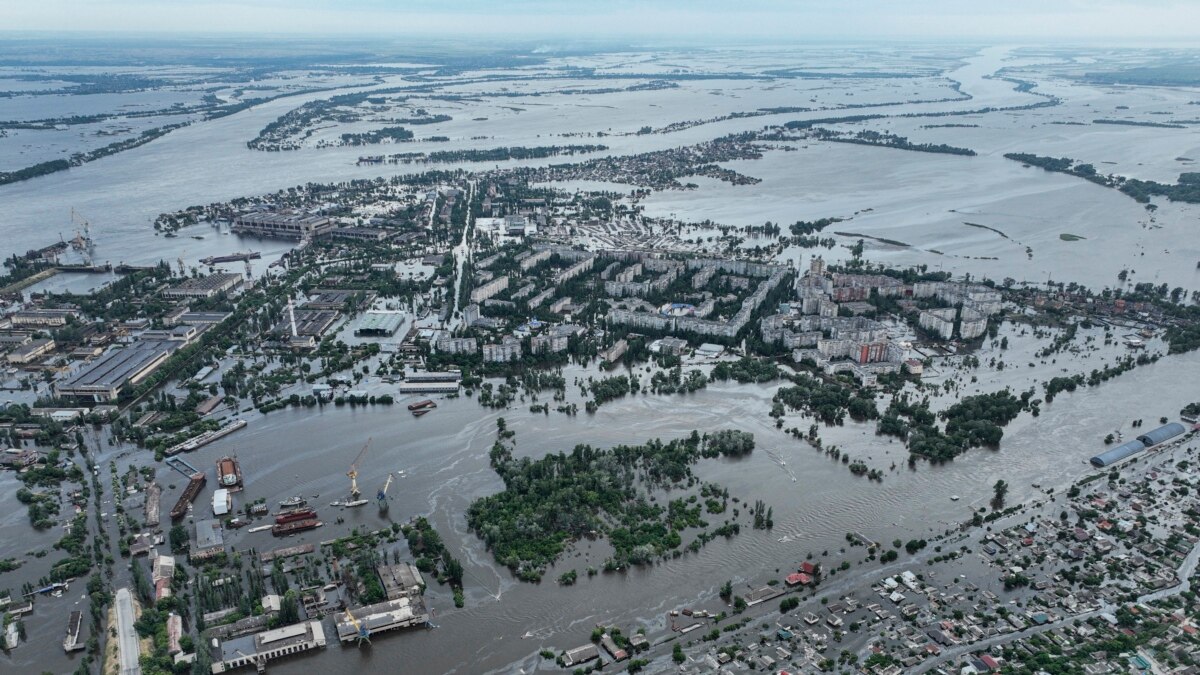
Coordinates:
[383,324]
[205,287]
[42,318]
[427,388]
[104,379]
[403,612]
[434,376]
[210,540]
[30,352]
[1147,440]
[255,650]
[283,225]
[362,233]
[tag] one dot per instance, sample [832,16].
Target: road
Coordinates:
[127,639]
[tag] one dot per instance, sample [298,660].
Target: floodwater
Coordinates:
[916,198]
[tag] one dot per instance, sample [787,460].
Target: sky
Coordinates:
[713,20]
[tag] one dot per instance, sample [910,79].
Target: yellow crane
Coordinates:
[364,634]
[353,472]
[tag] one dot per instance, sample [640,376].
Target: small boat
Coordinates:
[954,498]
[291,502]
[422,411]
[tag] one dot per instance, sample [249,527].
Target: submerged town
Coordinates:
[478,406]
[400,295]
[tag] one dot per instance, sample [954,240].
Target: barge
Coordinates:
[229,474]
[293,527]
[195,484]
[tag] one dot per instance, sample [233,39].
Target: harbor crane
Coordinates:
[82,241]
[381,496]
[364,634]
[353,472]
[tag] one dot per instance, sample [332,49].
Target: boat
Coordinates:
[235,523]
[284,529]
[349,504]
[421,405]
[292,502]
[229,474]
[954,498]
[293,516]
[195,484]
[422,411]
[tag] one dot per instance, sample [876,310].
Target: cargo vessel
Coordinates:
[294,516]
[422,405]
[350,504]
[195,484]
[284,529]
[229,474]
[293,502]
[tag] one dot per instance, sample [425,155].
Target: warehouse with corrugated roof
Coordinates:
[1149,439]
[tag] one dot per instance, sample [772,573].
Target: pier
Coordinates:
[233,257]
[205,438]
[181,465]
[71,642]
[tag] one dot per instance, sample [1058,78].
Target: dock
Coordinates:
[28,281]
[205,438]
[232,257]
[194,486]
[181,465]
[71,642]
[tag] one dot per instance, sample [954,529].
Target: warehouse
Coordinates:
[380,324]
[1164,433]
[1118,453]
[205,287]
[104,379]
[1146,440]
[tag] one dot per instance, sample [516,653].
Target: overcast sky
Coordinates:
[698,19]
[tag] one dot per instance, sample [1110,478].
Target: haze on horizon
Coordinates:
[713,20]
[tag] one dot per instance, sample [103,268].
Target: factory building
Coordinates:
[282,225]
[205,287]
[104,379]
[255,650]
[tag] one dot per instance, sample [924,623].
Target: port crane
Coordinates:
[353,472]
[364,634]
[83,239]
[381,496]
